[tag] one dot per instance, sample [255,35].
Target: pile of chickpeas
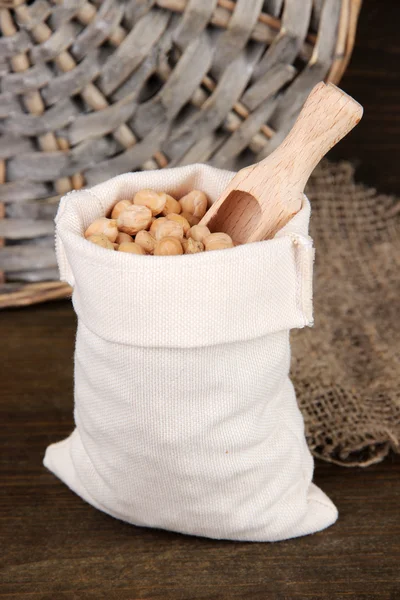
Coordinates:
[156,223]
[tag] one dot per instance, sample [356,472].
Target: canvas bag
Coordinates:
[185,415]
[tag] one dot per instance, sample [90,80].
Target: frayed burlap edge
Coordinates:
[346,370]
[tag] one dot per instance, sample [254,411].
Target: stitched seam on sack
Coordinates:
[299,281]
[302,297]
[307,283]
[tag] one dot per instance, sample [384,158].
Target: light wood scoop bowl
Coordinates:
[262,198]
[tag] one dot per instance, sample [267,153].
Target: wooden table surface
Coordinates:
[373,78]
[53,546]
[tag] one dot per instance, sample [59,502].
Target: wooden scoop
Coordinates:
[262,198]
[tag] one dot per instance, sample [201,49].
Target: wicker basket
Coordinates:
[93,89]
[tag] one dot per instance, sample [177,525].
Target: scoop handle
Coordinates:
[326,117]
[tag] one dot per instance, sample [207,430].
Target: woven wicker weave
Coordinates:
[93,89]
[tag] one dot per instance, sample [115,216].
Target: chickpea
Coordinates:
[153,200]
[191,246]
[169,229]
[146,241]
[119,207]
[198,232]
[131,247]
[103,225]
[191,219]
[195,203]
[171,206]
[181,220]
[123,237]
[218,241]
[101,240]
[134,218]
[156,224]
[168,246]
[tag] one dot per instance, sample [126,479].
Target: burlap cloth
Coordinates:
[346,370]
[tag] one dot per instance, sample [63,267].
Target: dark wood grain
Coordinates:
[373,78]
[55,546]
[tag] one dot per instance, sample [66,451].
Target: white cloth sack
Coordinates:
[185,415]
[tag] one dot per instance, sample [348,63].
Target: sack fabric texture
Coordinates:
[186,418]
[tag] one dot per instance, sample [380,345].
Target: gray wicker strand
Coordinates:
[91,89]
